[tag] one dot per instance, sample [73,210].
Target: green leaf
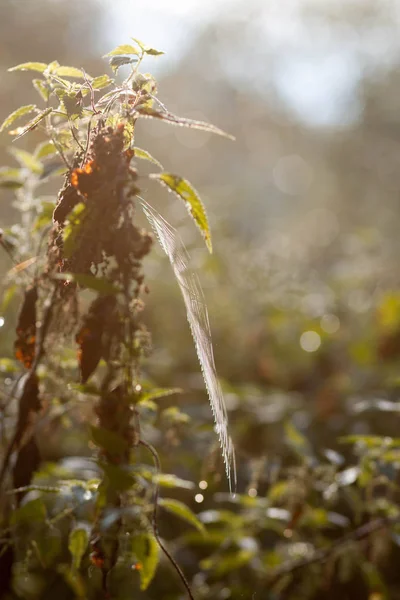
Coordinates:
[22,110]
[30,66]
[77,543]
[33,511]
[183,512]
[175,416]
[144,155]
[230,562]
[147,49]
[42,88]
[159,393]
[171,481]
[7,365]
[144,83]
[98,284]
[119,478]
[10,179]
[149,112]
[73,579]
[72,102]
[278,491]
[9,173]
[27,160]
[154,52]
[123,49]
[370,441]
[119,61]
[375,581]
[53,169]
[7,297]
[45,149]
[62,83]
[101,82]
[72,227]
[108,440]
[296,439]
[184,190]
[11,184]
[69,72]
[51,67]
[147,552]
[32,124]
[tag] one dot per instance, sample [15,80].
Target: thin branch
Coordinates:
[177,568]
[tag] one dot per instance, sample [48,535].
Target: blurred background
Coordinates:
[303,286]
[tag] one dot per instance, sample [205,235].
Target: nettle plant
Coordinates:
[80,338]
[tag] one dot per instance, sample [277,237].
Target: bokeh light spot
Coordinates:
[310,341]
[330,323]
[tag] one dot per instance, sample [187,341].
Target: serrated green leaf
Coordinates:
[73,104]
[63,83]
[150,112]
[42,88]
[184,190]
[119,61]
[183,512]
[32,123]
[98,284]
[30,66]
[147,49]
[147,553]
[123,49]
[32,511]
[27,160]
[19,112]
[77,543]
[144,155]
[51,67]
[108,440]
[101,82]
[69,72]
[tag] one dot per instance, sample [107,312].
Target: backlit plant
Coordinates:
[80,340]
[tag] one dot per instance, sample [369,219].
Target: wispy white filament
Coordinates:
[197,316]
